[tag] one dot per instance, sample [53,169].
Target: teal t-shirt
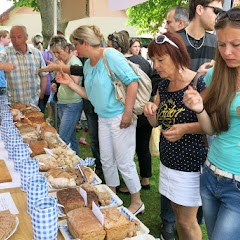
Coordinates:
[99,87]
[224,151]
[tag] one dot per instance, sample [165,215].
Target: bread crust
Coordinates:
[70,198]
[116,224]
[84,225]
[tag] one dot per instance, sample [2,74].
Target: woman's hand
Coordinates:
[52,66]
[126,120]
[150,109]
[63,78]
[193,100]
[174,133]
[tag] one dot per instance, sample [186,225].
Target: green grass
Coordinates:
[151,198]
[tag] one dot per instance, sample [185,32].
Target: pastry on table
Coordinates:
[60,179]
[47,162]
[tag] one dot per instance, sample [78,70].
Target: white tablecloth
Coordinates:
[16,181]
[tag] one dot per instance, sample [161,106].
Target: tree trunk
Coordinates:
[46,8]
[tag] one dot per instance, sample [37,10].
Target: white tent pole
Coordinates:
[55,18]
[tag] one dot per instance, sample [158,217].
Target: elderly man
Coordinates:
[24,84]
[177,19]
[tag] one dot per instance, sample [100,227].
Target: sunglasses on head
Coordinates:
[134,40]
[232,14]
[216,10]
[163,38]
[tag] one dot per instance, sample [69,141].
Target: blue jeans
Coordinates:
[167,215]
[69,115]
[221,205]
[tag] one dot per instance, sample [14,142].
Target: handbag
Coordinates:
[144,87]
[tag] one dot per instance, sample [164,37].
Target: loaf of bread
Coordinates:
[37,147]
[70,198]
[91,197]
[46,161]
[104,198]
[60,179]
[33,113]
[18,105]
[116,224]
[37,121]
[84,225]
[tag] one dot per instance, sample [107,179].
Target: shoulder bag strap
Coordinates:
[109,71]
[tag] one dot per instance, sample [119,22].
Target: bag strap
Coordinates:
[195,80]
[109,71]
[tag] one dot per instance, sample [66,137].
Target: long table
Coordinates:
[24,230]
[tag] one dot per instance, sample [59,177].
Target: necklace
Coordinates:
[192,44]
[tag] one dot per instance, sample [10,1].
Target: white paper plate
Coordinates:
[14,230]
[142,233]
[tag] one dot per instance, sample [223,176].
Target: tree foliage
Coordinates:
[149,16]
[45,7]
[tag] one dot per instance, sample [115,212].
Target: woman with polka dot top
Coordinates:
[182,148]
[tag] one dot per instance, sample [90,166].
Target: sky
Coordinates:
[4,5]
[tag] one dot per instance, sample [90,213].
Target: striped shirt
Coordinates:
[204,54]
[23,83]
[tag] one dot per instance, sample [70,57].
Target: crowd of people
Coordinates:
[197,96]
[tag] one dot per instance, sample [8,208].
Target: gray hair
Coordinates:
[181,13]
[24,29]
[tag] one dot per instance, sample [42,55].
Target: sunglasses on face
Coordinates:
[216,10]
[163,38]
[232,14]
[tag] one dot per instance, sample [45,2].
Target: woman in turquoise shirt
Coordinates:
[220,180]
[116,131]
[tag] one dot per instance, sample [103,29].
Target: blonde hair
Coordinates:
[37,41]
[91,33]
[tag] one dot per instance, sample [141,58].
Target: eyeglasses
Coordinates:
[163,38]
[232,14]
[216,10]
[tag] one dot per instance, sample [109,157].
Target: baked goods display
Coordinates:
[69,173]
[104,198]
[70,198]
[83,224]
[46,162]
[37,147]
[7,224]
[58,178]
[65,156]
[117,224]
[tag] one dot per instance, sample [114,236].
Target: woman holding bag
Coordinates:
[116,132]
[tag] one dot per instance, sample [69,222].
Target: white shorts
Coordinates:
[182,188]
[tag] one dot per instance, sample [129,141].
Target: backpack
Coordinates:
[144,87]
